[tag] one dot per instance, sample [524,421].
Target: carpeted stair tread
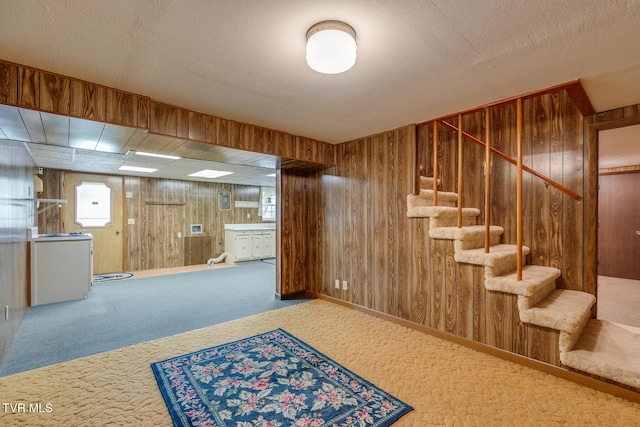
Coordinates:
[460,233]
[427,193]
[562,309]
[427,182]
[414,201]
[534,277]
[609,350]
[443,214]
[501,258]
[468,236]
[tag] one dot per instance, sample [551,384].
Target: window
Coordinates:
[93,204]
[267,203]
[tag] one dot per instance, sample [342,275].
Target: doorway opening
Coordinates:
[619,225]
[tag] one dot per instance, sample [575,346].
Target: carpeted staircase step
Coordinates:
[442,216]
[500,260]
[537,282]
[467,237]
[609,350]
[427,182]
[563,310]
[426,199]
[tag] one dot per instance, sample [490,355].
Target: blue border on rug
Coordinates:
[270,379]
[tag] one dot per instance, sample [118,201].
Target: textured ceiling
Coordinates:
[244,60]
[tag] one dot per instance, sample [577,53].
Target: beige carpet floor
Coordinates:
[446,383]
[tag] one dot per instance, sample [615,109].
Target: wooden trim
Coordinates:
[619,170]
[579,97]
[574,90]
[620,117]
[291,295]
[556,371]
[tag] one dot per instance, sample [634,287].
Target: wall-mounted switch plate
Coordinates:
[344,285]
[337,284]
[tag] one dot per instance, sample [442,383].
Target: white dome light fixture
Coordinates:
[331,47]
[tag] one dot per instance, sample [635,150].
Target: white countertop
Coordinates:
[59,236]
[250,227]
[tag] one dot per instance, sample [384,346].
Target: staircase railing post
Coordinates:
[435,163]
[519,190]
[459,170]
[487,181]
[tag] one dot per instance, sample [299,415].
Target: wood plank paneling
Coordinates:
[123,108]
[28,88]
[8,84]
[87,101]
[163,119]
[161,234]
[40,90]
[54,94]
[197,126]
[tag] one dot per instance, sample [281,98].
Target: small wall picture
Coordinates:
[196,228]
[224,200]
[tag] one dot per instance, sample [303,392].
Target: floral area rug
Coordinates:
[270,380]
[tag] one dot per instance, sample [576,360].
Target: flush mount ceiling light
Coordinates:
[331,47]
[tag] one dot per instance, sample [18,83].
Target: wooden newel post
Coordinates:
[459,170]
[487,181]
[519,189]
[435,163]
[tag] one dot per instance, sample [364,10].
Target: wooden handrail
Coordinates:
[500,154]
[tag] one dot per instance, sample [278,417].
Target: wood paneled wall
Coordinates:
[36,89]
[48,220]
[16,215]
[162,208]
[358,230]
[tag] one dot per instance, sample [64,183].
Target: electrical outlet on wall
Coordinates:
[344,285]
[337,284]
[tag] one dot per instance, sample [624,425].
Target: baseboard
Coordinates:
[556,371]
[292,295]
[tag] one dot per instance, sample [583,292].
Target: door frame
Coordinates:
[621,117]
